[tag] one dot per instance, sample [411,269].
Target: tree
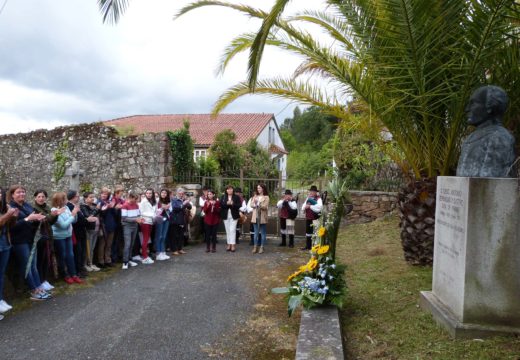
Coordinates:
[288,122]
[226,152]
[413,62]
[181,147]
[256,161]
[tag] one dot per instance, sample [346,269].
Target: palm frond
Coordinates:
[280,88]
[112,10]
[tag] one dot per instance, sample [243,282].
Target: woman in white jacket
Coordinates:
[148,208]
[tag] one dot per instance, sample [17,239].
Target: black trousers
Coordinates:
[211,234]
[176,234]
[308,234]
[80,250]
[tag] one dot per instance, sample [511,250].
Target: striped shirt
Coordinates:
[130,212]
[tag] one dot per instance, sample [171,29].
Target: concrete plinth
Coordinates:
[476,265]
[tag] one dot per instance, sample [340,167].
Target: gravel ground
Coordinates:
[172,309]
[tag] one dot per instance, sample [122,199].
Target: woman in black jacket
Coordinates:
[22,234]
[230,204]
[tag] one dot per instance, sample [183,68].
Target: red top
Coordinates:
[211,212]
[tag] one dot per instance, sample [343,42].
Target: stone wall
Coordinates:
[136,162]
[371,205]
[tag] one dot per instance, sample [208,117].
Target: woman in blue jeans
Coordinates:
[7,217]
[62,232]
[162,224]
[259,204]
[22,233]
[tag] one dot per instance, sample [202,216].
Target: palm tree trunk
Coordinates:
[417,215]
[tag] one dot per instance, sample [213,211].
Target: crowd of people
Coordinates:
[71,237]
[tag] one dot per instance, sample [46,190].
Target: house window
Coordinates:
[197,154]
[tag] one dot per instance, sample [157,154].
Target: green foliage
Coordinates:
[225,151]
[357,158]
[60,160]
[288,140]
[256,161]
[313,128]
[181,147]
[413,62]
[307,166]
[207,166]
[84,187]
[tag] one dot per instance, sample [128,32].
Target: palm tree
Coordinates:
[413,62]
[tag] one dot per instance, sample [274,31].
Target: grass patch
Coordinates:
[381,318]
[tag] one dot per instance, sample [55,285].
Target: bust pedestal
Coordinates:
[476,264]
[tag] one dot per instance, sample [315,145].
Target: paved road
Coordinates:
[168,310]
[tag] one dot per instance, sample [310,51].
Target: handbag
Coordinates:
[242,219]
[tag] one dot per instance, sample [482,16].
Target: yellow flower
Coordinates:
[323,250]
[292,276]
[311,265]
[322,231]
[315,248]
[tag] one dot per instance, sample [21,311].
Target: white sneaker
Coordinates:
[132,264]
[47,286]
[3,308]
[148,261]
[125,266]
[95,268]
[162,256]
[88,268]
[3,303]
[137,258]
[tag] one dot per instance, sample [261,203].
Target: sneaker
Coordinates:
[89,268]
[4,303]
[137,258]
[47,286]
[69,280]
[148,261]
[132,264]
[125,266]
[94,268]
[40,296]
[3,308]
[77,280]
[182,252]
[162,256]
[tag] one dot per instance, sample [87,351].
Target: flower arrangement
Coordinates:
[320,281]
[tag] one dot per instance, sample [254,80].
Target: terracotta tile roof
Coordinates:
[202,127]
[275,149]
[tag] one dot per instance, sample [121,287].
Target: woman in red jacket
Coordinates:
[211,220]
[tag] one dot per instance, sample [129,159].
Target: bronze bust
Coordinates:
[489,151]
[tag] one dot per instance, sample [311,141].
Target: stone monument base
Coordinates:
[458,330]
[476,262]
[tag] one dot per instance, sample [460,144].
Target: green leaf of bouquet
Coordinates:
[294,302]
[280,290]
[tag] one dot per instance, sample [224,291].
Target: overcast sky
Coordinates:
[60,65]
